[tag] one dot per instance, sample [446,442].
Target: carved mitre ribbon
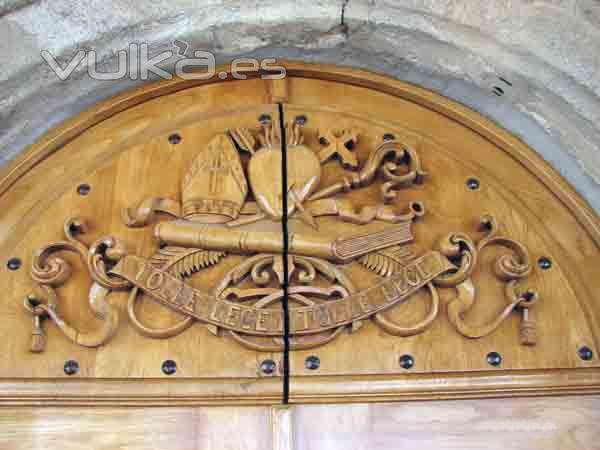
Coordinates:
[215,188]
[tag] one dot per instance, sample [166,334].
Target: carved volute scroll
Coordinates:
[409,233]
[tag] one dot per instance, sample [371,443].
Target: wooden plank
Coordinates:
[525,423]
[135,428]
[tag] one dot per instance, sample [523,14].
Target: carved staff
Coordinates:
[192,235]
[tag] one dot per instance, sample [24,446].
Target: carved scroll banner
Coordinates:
[176,294]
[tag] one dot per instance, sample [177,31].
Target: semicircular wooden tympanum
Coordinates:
[428,253]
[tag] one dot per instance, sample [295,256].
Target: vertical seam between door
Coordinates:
[284,230]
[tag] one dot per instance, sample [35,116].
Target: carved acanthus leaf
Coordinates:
[183,262]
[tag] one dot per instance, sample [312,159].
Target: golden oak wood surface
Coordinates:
[541,423]
[127,152]
[101,428]
[115,181]
[518,423]
[530,215]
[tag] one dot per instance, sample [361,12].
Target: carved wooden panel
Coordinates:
[151,245]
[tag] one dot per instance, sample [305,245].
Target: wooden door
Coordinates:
[184,258]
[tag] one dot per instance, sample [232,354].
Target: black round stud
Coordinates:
[33,301]
[544,263]
[585,353]
[407,361]
[323,141]
[388,137]
[417,208]
[494,359]
[268,367]
[301,120]
[169,367]
[312,362]
[84,189]
[74,228]
[71,367]
[265,119]
[174,139]
[473,183]
[13,264]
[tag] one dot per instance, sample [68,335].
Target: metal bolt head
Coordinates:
[301,120]
[544,263]
[388,137]
[473,183]
[174,139]
[494,359]
[13,264]
[585,353]
[312,362]
[265,119]
[169,367]
[268,367]
[406,361]
[33,300]
[417,208]
[84,189]
[71,367]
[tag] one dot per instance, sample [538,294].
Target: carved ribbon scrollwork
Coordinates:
[463,253]
[509,268]
[389,157]
[395,329]
[457,247]
[51,271]
[144,213]
[303,271]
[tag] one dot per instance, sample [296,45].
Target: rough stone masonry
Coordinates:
[531,66]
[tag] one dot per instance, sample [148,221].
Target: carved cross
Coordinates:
[339,142]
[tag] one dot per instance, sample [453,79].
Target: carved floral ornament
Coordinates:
[225,209]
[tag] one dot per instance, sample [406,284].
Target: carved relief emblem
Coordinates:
[266,177]
[231,208]
[215,188]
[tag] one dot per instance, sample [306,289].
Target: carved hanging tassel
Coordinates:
[38,338]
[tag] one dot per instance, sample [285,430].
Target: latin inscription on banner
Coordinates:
[269,322]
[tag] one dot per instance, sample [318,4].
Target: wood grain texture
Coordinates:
[101,428]
[527,215]
[524,423]
[125,152]
[541,423]
[282,426]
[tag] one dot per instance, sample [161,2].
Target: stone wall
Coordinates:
[531,66]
